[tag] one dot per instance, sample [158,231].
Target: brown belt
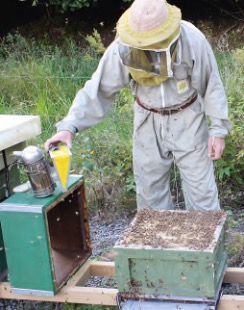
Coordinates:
[167,112]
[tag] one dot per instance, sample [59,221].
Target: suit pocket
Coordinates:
[140,116]
[180,73]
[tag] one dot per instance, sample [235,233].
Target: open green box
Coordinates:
[172,271]
[46,239]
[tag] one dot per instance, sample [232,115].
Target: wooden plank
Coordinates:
[80,295]
[92,296]
[103,269]
[231,302]
[102,296]
[81,276]
[234,275]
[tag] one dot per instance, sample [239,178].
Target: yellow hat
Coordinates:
[148,22]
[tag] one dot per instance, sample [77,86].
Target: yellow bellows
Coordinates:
[61,158]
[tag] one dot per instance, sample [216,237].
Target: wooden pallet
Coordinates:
[76,292]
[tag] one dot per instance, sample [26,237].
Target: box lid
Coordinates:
[27,202]
[18,128]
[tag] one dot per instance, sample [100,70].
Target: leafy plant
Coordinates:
[96,47]
[66,5]
[236,248]
[231,166]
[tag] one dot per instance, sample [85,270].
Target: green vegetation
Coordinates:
[71,5]
[230,7]
[230,167]
[42,79]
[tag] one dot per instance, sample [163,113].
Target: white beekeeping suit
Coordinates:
[177,88]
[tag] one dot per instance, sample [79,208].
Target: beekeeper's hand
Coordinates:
[64,136]
[215,147]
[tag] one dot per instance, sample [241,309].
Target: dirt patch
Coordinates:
[196,230]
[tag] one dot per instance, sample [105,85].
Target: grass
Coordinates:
[44,79]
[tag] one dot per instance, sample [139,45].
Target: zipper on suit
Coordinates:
[162,94]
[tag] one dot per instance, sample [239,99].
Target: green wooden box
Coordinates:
[14,180]
[9,172]
[46,239]
[178,255]
[15,130]
[9,178]
[3,261]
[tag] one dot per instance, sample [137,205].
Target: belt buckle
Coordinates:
[165,112]
[169,112]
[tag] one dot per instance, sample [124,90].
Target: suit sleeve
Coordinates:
[206,79]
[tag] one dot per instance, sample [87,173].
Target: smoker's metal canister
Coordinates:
[37,170]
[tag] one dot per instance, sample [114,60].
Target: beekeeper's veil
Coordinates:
[148,36]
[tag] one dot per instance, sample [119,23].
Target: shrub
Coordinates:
[230,168]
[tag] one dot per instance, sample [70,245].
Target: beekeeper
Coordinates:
[180,109]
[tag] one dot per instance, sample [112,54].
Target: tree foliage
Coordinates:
[66,5]
[70,5]
[233,8]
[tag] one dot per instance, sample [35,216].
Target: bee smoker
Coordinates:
[38,171]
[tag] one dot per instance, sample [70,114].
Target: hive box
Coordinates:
[178,255]
[46,239]
[14,131]
[3,262]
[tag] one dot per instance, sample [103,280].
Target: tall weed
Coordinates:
[42,80]
[230,168]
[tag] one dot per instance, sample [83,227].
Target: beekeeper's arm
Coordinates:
[206,78]
[94,100]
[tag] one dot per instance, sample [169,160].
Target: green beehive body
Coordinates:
[9,178]
[46,239]
[14,180]
[15,130]
[177,272]
[27,251]
[3,262]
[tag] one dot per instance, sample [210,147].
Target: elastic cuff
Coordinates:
[67,127]
[218,132]
[215,136]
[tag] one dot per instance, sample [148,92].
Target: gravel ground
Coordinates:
[104,234]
